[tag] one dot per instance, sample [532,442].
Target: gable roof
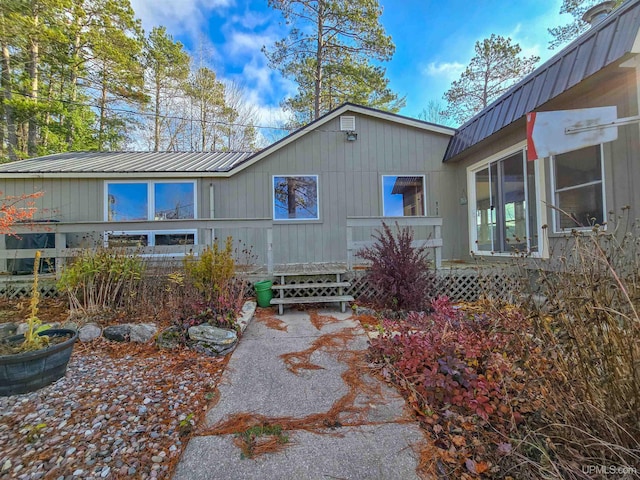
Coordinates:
[603,44]
[185,164]
[344,108]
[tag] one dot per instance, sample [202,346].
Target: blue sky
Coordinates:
[434,41]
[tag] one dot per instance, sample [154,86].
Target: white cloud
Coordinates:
[245,42]
[445,70]
[179,17]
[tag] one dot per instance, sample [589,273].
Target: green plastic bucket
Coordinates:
[264,293]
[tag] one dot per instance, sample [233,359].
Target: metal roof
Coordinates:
[600,46]
[129,162]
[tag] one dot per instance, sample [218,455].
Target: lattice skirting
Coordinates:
[23,289]
[458,285]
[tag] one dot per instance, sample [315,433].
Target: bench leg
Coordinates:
[280,309]
[343,306]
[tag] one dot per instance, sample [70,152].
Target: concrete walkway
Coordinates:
[311,379]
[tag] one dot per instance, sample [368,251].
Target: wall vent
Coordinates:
[347,123]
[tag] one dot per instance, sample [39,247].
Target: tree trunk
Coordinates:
[319,58]
[102,106]
[156,129]
[75,63]
[32,138]
[12,138]
[291,196]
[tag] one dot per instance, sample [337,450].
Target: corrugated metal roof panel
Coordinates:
[603,44]
[134,162]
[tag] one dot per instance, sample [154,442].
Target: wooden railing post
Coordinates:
[270,250]
[61,243]
[3,261]
[349,247]
[438,250]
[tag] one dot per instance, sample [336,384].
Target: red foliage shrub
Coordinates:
[399,272]
[459,361]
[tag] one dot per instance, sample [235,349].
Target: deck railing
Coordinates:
[206,229]
[60,230]
[433,239]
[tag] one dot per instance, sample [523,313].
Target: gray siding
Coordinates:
[612,86]
[350,176]
[350,185]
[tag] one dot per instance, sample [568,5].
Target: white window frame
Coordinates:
[150,212]
[151,196]
[424,192]
[554,198]
[273,198]
[541,215]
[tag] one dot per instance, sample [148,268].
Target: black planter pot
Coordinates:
[30,371]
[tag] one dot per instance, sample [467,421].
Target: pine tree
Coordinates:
[328,52]
[496,66]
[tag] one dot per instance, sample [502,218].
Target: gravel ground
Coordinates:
[121,411]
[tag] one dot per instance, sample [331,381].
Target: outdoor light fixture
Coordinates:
[351,136]
[463,197]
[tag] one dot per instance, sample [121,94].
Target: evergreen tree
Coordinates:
[496,66]
[167,68]
[576,8]
[328,52]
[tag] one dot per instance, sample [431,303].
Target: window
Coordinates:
[295,197]
[149,201]
[128,201]
[403,196]
[578,188]
[504,215]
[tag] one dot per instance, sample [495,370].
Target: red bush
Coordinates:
[399,272]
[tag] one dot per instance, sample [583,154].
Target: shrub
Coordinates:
[101,280]
[473,376]
[399,272]
[212,274]
[589,322]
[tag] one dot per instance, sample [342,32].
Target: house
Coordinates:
[317,195]
[310,198]
[511,199]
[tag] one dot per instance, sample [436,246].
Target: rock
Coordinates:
[21,328]
[105,471]
[213,340]
[157,459]
[213,335]
[169,339]
[248,310]
[117,333]
[89,332]
[7,329]
[6,466]
[70,325]
[143,332]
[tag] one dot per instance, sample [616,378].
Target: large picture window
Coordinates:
[578,188]
[150,201]
[403,196]
[159,200]
[295,197]
[504,215]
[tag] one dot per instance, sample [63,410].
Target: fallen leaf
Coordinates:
[458,440]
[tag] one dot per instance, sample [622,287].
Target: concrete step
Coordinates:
[293,286]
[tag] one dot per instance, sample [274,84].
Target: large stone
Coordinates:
[210,334]
[248,310]
[169,338]
[142,332]
[212,340]
[89,332]
[7,329]
[117,333]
